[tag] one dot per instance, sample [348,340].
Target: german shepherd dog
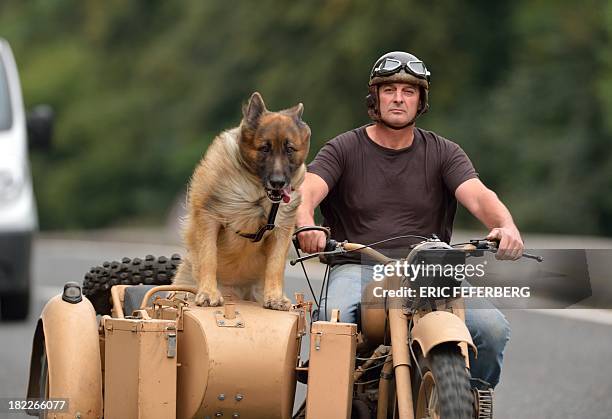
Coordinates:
[245,170]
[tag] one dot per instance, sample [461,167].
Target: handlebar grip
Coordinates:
[484,244]
[325,230]
[330,245]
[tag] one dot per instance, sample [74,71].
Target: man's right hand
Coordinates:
[312,241]
[313,190]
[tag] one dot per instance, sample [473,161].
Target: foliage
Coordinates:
[140,88]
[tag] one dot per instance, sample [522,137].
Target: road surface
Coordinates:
[558,363]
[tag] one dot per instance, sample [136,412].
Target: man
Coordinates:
[390,178]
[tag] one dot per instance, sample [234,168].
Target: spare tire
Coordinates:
[148,271]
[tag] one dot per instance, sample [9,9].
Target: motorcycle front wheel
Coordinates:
[443,391]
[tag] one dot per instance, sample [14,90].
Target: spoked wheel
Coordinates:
[429,395]
[444,390]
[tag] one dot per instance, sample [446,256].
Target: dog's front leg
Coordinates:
[205,264]
[277,247]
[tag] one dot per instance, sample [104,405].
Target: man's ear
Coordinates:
[253,110]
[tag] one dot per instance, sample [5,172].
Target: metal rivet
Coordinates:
[239,397]
[221,322]
[218,414]
[221,397]
[236,415]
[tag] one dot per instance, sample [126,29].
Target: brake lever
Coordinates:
[293,262]
[536,257]
[332,247]
[491,246]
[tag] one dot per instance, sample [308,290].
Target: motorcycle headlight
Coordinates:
[10,186]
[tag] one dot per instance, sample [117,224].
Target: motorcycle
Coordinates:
[413,360]
[129,344]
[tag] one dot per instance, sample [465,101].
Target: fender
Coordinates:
[67,335]
[438,327]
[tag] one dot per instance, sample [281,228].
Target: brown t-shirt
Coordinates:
[376,192]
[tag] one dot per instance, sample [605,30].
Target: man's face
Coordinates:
[398,103]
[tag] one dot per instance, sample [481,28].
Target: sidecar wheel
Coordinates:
[44,381]
[444,390]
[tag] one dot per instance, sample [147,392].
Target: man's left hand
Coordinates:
[510,243]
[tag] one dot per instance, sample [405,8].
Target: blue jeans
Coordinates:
[489,328]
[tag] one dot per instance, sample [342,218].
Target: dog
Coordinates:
[231,194]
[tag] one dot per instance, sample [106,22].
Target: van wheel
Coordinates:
[444,390]
[15,305]
[148,271]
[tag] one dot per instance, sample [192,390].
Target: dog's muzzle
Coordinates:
[277,195]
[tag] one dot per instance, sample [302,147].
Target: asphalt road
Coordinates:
[558,363]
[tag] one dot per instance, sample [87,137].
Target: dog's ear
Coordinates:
[296,111]
[253,110]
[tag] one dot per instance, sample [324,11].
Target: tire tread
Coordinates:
[100,279]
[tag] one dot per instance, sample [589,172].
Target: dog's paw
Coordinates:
[207,298]
[281,304]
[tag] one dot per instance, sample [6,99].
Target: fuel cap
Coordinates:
[72,293]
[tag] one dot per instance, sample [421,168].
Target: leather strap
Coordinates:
[257,236]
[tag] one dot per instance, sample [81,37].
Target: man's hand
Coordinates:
[510,243]
[484,204]
[313,190]
[312,241]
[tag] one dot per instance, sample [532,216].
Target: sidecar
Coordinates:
[168,358]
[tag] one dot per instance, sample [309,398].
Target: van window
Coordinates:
[6,114]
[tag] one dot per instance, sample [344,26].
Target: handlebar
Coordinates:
[333,247]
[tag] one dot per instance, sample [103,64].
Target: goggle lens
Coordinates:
[417,67]
[391,65]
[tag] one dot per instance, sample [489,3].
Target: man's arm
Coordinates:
[314,189]
[484,204]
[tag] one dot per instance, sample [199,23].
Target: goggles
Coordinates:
[390,66]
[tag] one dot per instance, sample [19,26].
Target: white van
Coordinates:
[18,216]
